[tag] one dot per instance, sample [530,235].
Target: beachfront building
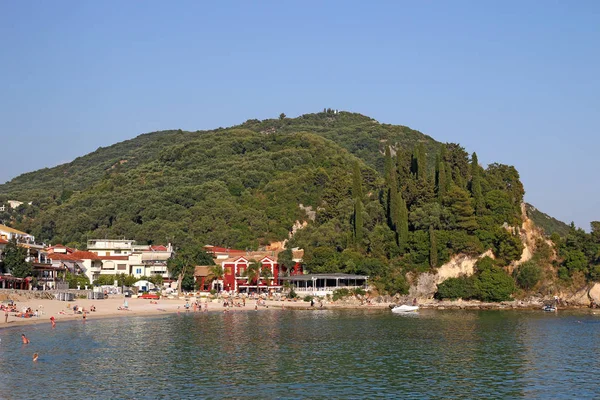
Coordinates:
[126,257]
[324,284]
[235,265]
[36,255]
[8,233]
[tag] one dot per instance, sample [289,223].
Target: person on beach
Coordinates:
[84,316]
[6,315]
[53,321]
[24,339]
[35,357]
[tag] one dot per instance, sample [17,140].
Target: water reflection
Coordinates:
[308,354]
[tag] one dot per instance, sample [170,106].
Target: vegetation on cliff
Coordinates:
[388,200]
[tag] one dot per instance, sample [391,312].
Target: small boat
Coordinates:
[404,309]
[549,308]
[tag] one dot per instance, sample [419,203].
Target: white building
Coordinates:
[125,257]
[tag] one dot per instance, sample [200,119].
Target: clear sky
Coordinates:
[516,81]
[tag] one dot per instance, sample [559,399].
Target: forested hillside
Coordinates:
[388,199]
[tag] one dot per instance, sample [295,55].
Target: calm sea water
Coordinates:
[308,354]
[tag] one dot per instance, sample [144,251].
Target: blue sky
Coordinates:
[517,82]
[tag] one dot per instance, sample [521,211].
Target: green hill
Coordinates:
[549,224]
[388,199]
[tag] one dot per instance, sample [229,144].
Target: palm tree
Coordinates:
[267,275]
[217,273]
[253,272]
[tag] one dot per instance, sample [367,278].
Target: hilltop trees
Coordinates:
[379,199]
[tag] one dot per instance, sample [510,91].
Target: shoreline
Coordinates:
[109,308]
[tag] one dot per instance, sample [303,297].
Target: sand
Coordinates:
[63,310]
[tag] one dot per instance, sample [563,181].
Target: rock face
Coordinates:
[594,293]
[427,283]
[579,298]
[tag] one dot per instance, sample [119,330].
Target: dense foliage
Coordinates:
[579,253]
[489,283]
[388,199]
[14,260]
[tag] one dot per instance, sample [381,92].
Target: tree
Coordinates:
[440,178]
[476,185]
[358,223]
[217,273]
[357,194]
[253,273]
[528,275]
[285,260]
[14,260]
[183,265]
[433,255]
[459,203]
[282,116]
[421,162]
[402,230]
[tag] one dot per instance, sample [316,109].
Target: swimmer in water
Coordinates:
[24,338]
[35,356]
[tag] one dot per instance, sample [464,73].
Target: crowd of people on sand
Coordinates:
[25,312]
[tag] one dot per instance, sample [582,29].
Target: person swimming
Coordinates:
[24,338]
[35,356]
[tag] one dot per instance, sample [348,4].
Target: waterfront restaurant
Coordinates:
[324,284]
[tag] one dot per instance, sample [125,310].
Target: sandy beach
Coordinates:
[63,310]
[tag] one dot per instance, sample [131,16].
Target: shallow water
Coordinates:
[308,354]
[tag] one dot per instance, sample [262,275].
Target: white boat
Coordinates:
[404,309]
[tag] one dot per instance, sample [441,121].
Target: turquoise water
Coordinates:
[308,354]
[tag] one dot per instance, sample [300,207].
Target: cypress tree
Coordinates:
[433,256]
[442,187]
[393,207]
[387,165]
[357,194]
[421,163]
[358,222]
[402,228]
[449,180]
[476,185]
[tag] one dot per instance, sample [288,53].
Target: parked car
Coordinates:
[128,293]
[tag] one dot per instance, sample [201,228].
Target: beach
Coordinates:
[110,308]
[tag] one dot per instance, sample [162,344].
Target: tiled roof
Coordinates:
[5,228]
[63,257]
[86,255]
[158,248]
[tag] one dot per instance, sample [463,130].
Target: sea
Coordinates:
[308,354]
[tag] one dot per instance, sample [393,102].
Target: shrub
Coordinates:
[528,275]
[308,298]
[340,294]
[462,287]
[494,285]
[359,292]
[292,294]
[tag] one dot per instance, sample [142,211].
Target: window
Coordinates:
[121,267]
[138,271]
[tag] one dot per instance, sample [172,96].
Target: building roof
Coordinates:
[2,241]
[309,277]
[5,228]
[159,248]
[63,257]
[86,255]
[202,271]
